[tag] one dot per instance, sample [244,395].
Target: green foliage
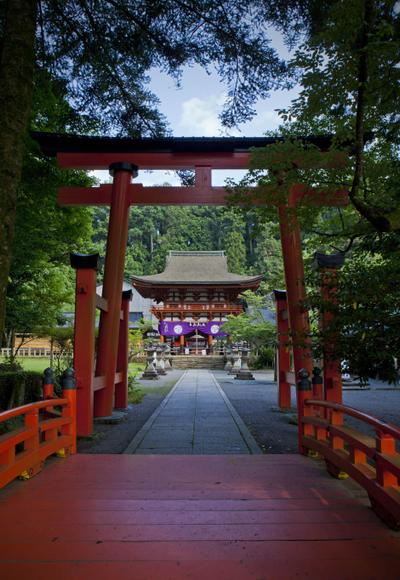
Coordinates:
[365,330]
[348,70]
[265,358]
[153,232]
[41,281]
[103,55]
[61,341]
[349,75]
[135,394]
[251,327]
[18,387]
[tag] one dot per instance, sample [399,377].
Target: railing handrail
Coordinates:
[24,409]
[360,415]
[24,449]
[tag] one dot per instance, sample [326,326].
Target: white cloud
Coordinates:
[265,120]
[199,117]
[147,178]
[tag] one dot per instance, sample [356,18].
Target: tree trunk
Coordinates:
[16,83]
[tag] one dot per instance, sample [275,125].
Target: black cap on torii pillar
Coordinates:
[123,166]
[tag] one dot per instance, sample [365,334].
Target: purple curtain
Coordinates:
[178,328]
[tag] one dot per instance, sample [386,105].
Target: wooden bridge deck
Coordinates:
[199,517]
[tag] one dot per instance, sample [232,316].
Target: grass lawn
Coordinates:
[33,364]
[40,363]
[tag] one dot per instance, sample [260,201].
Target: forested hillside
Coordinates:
[251,247]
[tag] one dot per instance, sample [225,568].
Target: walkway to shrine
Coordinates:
[195,418]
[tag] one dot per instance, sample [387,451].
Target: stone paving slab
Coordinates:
[196,418]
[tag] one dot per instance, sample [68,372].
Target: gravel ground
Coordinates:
[274,431]
[256,403]
[115,438]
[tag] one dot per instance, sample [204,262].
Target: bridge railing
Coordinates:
[372,461]
[36,431]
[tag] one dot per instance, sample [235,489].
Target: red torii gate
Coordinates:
[123,157]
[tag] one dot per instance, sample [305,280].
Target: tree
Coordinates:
[17,20]
[40,279]
[347,67]
[232,228]
[102,53]
[268,256]
[251,327]
[350,78]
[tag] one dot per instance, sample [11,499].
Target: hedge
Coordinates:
[19,388]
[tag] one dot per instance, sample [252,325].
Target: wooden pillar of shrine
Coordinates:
[328,266]
[295,288]
[121,388]
[84,338]
[112,286]
[283,358]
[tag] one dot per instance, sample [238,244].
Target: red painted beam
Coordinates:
[162,160]
[168,160]
[139,195]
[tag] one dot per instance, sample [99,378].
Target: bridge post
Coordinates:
[84,337]
[304,392]
[121,388]
[283,358]
[328,266]
[318,384]
[107,352]
[48,383]
[69,393]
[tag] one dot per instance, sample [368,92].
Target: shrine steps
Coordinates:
[212,362]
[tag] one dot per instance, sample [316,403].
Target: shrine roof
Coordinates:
[196,268]
[53,143]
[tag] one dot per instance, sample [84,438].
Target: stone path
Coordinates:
[196,418]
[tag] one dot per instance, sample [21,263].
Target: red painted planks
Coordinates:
[214,517]
[200,569]
[383,549]
[272,517]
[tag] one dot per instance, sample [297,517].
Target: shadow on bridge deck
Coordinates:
[199,517]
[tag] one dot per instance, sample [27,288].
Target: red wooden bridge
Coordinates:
[218,517]
[205,517]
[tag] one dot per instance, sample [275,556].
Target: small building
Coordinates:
[193,297]
[139,307]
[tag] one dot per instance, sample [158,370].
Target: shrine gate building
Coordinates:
[194,295]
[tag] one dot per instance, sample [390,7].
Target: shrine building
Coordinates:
[193,296]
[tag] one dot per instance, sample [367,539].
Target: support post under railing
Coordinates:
[31,443]
[386,445]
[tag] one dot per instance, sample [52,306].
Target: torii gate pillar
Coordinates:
[296,295]
[107,352]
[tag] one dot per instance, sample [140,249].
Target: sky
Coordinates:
[192,110]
